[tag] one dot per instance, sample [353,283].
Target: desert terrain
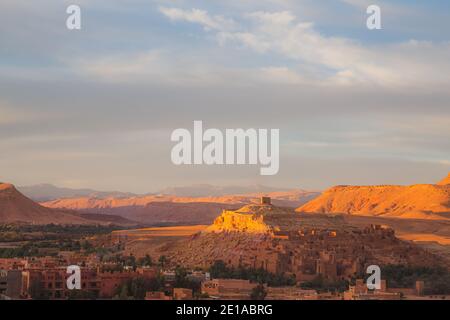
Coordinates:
[419,201]
[16,208]
[172,209]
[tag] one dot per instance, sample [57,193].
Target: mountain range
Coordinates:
[47,192]
[157,209]
[419,201]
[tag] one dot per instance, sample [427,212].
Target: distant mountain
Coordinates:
[421,201]
[157,209]
[16,208]
[207,190]
[47,192]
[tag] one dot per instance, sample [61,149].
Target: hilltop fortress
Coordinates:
[249,219]
[280,240]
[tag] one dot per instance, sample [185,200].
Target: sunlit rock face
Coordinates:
[445,181]
[419,201]
[16,208]
[249,219]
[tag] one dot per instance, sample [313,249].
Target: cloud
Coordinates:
[216,22]
[335,90]
[281,18]
[248,39]
[344,61]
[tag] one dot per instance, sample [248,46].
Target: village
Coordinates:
[45,278]
[257,252]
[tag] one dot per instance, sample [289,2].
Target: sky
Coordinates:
[95,107]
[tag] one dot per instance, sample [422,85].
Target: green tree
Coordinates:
[145,261]
[162,261]
[258,292]
[123,295]
[181,280]
[219,270]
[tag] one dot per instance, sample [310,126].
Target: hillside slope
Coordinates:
[421,201]
[280,240]
[16,208]
[157,209]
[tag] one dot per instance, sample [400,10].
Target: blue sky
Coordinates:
[95,107]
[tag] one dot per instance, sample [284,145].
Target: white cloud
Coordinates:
[198,16]
[273,18]
[346,61]
[247,39]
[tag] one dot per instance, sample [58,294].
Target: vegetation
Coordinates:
[26,250]
[136,288]
[258,293]
[437,279]
[44,248]
[145,261]
[15,232]
[162,261]
[321,284]
[47,240]
[182,281]
[220,270]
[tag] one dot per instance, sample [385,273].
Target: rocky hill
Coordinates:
[445,181]
[420,201]
[304,245]
[16,208]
